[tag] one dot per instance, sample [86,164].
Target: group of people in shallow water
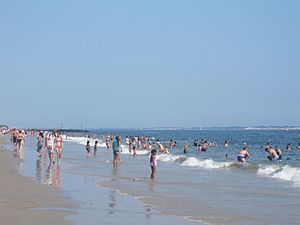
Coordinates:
[134,144]
[17,139]
[52,142]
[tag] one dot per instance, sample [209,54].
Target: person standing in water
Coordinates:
[273,154]
[116,145]
[58,146]
[186,148]
[20,139]
[153,163]
[49,142]
[95,147]
[88,148]
[243,155]
[226,144]
[40,144]
[278,151]
[14,135]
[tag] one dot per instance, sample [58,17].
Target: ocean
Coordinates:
[194,188]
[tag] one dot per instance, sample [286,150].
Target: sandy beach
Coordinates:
[25,202]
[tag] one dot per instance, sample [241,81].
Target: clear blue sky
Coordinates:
[149,63]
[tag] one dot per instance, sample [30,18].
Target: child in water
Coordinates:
[153,163]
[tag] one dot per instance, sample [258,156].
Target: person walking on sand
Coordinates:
[58,145]
[153,163]
[116,151]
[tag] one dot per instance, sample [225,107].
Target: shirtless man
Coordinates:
[243,155]
[162,148]
[273,154]
[14,136]
[204,146]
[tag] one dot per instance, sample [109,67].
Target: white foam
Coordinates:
[206,164]
[169,158]
[287,173]
[83,140]
[125,150]
[268,169]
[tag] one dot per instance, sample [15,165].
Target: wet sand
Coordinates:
[78,178]
[24,202]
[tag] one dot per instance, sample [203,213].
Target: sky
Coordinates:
[130,64]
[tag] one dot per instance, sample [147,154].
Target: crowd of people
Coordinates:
[51,143]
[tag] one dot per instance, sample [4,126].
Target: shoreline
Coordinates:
[26,202]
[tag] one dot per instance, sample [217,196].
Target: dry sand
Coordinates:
[24,202]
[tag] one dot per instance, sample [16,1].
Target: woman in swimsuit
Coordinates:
[20,140]
[58,146]
[50,146]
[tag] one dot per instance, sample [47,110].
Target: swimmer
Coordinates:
[226,144]
[243,155]
[298,147]
[288,147]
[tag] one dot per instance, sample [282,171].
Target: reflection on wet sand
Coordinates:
[19,154]
[51,174]
[112,203]
[38,171]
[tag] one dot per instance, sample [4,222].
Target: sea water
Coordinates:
[205,187]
